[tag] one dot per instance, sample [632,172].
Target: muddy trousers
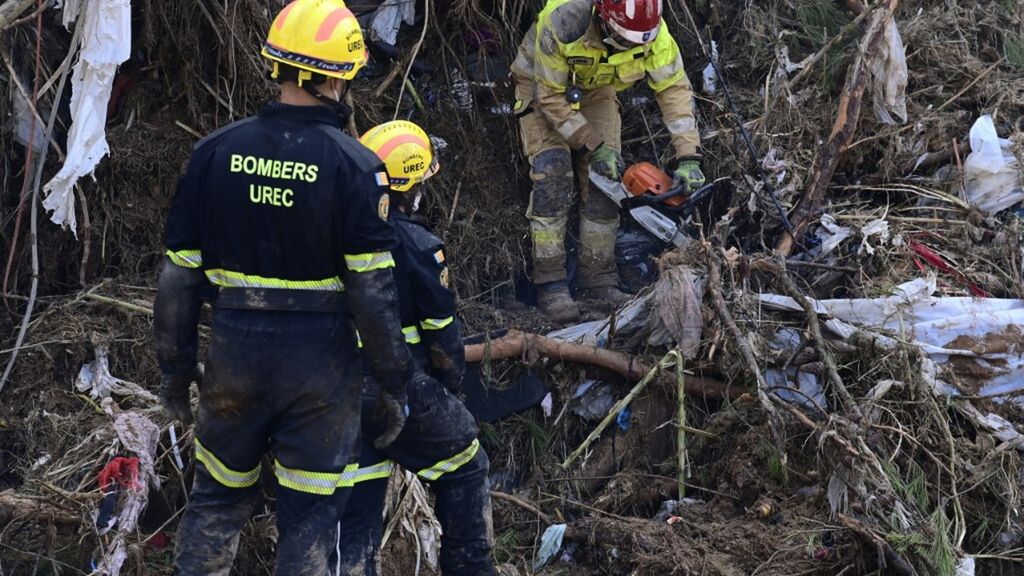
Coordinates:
[552,170]
[287,383]
[439,444]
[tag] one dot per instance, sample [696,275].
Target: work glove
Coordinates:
[606,162]
[174,393]
[688,173]
[394,407]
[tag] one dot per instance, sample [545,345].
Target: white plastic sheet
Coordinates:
[106,43]
[983,334]
[992,177]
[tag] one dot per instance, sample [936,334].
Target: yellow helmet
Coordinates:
[406,151]
[320,36]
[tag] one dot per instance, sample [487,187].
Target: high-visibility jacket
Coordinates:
[565,47]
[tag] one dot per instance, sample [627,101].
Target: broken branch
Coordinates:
[843,129]
[11,9]
[814,326]
[515,344]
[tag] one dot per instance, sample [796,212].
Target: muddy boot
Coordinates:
[608,294]
[553,299]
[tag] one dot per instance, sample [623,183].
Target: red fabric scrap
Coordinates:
[123,471]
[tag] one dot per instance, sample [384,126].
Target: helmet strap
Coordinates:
[340,108]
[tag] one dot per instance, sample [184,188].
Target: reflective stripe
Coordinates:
[356,475]
[221,473]
[667,73]
[436,323]
[450,464]
[571,126]
[412,335]
[321,483]
[186,258]
[545,73]
[686,124]
[230,279]
[369,261]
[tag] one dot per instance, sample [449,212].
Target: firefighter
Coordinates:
[287,218]
[569,67]
[439,442]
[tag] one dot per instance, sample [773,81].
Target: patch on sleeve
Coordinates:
[381,178]
[384,206]
[439,256]
[444,277]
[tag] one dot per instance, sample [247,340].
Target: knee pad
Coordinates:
[551,172]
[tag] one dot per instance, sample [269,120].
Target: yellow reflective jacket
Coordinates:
[565,47]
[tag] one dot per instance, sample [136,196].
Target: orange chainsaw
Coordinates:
[646,192]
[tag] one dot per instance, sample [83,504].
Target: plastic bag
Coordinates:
[992,174]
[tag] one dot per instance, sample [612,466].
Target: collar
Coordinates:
[322,114]
[593,38]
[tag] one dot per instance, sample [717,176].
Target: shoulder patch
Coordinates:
[439,256]
[444,277]
[384,207]
[570,21]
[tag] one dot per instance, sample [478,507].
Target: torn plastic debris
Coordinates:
[992,178]
[798,388]
[592,400]
[889,77]
[710,78]
[878,227]
[831,234]
[628,320]
[624,418]
[96,379]
[106,43]
[550,544]
[389,17]
[27,126]
[986,331]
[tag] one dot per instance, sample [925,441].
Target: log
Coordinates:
[516,344]
[11,10]
[843,129]
[14,506]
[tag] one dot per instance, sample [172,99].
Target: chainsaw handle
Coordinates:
[659,200]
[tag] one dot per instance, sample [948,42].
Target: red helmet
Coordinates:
[636,21]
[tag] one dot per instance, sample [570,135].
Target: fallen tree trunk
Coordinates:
[15,506]
[516,344]
[843,129]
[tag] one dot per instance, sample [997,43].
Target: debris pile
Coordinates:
[826,380]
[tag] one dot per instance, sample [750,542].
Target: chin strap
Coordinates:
[340,108]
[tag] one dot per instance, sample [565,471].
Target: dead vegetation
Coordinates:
[886,471]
